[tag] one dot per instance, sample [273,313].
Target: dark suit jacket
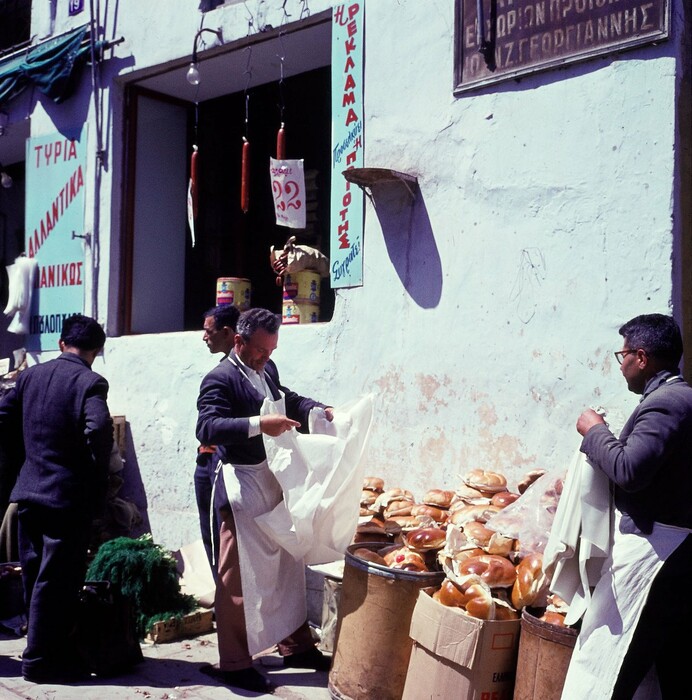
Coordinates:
[67,432]
[227,399]
[650,465]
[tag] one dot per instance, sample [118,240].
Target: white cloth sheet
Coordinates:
[579,540]
[614,611]
[298,507]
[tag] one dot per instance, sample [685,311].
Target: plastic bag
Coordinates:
[294,258]
[530,518]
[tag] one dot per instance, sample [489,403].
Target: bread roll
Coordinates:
[504,498]
[396,508]
[494,570]
[529,479]
[373,483]
[477,533]
[406,522]
[472,597]
[480,513]
[438,497]
[485,481]
[425,538]
[367,498]
[470,496]
[395,494]
[403,558]
[531,585]
[439,515]
[369,555]
[553,618]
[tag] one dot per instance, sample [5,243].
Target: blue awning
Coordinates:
[51,66]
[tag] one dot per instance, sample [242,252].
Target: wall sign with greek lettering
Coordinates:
[519,37]
[55,236]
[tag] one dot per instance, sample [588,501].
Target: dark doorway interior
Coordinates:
[230,243]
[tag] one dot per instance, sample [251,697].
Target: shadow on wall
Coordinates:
[409,238]
[132,489]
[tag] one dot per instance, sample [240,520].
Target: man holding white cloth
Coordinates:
[640,614]
[260,593]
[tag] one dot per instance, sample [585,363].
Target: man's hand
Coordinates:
[587,420]
[329,413]
[276,424]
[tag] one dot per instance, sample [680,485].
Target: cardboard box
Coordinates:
[457,656]
[190,625]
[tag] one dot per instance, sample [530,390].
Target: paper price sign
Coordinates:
[288,189]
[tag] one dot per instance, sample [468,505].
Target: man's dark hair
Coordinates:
[224,315]
[256,319]
[83,333]
[658,335]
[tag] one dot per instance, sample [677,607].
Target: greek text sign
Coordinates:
[346,235]
[55,194]
[518,37]
[288,188]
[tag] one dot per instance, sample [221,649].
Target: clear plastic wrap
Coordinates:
[530,518]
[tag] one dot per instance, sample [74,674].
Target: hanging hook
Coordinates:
[248,73]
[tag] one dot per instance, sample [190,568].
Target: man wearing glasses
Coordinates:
[639,615]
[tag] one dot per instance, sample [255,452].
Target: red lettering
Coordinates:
[349,99]
[350,64]
[351,116]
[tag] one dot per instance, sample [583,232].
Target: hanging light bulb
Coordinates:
[193,74]
[5,178]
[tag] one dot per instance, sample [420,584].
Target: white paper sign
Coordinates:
[190,213]
[288,189]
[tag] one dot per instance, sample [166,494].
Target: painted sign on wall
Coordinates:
[55,195]
[502,39]
[346,236]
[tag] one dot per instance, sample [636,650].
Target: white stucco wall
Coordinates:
[544,221]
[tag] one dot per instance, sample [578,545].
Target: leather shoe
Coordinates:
[57,676]
[312,658]
[245,678]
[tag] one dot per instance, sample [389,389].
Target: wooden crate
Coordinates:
[197,622]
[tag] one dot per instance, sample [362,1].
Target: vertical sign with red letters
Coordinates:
[346,237]
[55,196]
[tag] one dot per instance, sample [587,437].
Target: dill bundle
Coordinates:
[146,574]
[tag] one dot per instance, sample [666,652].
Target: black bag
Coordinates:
[106,630]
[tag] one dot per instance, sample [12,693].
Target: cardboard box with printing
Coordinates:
[455,655]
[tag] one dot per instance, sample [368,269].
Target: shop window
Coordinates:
[169,282]
[15,24]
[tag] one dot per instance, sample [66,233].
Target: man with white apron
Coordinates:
[260,593]
[637,623]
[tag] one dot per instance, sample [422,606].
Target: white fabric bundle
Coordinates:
[21,283]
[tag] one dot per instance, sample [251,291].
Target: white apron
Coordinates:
[303,498]
[614,610]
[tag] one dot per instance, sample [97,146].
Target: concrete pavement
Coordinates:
[169,671]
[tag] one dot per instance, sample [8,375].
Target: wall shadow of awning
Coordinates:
[52,66]
[406,228]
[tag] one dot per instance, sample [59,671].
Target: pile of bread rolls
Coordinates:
[486,576]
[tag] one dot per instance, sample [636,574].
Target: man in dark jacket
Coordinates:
[230,404]
[219,336]
[638,619]
[59,410]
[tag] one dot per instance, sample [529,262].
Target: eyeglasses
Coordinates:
[621,354]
